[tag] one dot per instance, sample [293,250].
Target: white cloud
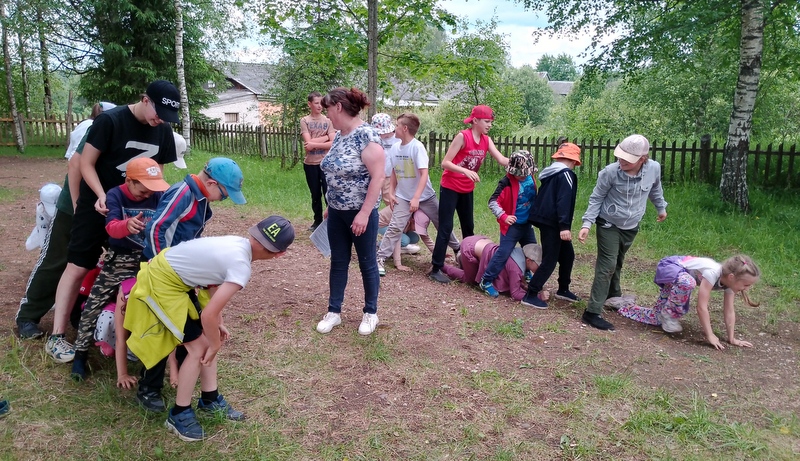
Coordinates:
[518,25]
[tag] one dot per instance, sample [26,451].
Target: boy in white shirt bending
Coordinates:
[410,189]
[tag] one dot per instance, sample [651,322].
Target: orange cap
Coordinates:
[569,151]
[146,171]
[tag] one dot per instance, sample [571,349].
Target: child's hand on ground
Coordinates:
[714,341]
[126,382]
[403,268]
[510,220]
[544,295]
[740,343]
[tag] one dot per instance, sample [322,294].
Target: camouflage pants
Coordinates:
[116,268]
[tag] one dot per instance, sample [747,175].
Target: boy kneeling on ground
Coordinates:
[161,315]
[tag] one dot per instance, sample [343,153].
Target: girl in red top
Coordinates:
[461,165]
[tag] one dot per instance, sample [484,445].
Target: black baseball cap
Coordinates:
[275,233]
[166,99]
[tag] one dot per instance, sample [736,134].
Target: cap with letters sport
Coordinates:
[166,99]
[275,233]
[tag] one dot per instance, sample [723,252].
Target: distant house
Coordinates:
[559,87]
[405,94]
[247,101]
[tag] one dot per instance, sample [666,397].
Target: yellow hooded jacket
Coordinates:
[157,310]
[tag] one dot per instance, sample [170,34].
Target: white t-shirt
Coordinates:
[210,261]
[76,136]
[704,268]
[406,160]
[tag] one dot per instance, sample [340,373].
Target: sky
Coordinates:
[518,25]
[514,22]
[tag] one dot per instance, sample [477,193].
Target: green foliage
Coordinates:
[561,67]
[537,97]
[136,45]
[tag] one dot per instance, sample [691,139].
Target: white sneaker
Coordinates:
[59,349]
[368,324]
[381,266]
[327,323]
[410,249]
[668,323]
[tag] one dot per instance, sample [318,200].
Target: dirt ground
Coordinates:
[451,325]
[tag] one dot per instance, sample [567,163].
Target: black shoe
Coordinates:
[438,276]
[150,400]
[79,365]
[597,321]
[567,295]
[29,330]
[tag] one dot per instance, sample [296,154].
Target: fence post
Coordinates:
[705,155]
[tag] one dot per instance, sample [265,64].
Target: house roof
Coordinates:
[560,87]
[254,77]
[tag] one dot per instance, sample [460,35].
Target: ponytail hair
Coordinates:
[740,265]
[352,100]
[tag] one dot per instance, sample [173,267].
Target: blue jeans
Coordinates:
[342,240]
[521,233]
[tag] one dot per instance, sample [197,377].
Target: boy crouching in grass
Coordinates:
[161,315]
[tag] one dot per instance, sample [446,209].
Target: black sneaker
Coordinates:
[597,321]
[29,330]
[567,295]
[438,276]
[151,400]
[533,301]
[79,366]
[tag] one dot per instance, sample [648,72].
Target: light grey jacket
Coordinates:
[621,199]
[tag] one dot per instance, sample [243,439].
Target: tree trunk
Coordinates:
[372,55]
[23,65]
[179,64]
[43,54]
[733,184]
[12,103]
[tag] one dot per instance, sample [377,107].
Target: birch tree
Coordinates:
[179,65]
[9,81]
[630,36]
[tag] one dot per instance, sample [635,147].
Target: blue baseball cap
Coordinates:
[227,172]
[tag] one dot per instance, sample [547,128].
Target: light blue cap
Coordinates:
[227,172]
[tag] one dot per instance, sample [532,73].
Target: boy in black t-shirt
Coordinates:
[117,137]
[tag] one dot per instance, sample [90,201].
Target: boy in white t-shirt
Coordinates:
[410,188]
[161,314]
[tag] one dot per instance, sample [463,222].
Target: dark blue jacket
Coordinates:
[555,200]
[181,215]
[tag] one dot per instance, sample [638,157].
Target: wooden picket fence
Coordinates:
[770,166]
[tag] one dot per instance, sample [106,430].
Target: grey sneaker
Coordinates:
[59,349]
[29,330]
[438,276]
[381,266]
[151,400]
[221,406]
[669,323]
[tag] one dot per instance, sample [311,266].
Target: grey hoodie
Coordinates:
[621,199]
